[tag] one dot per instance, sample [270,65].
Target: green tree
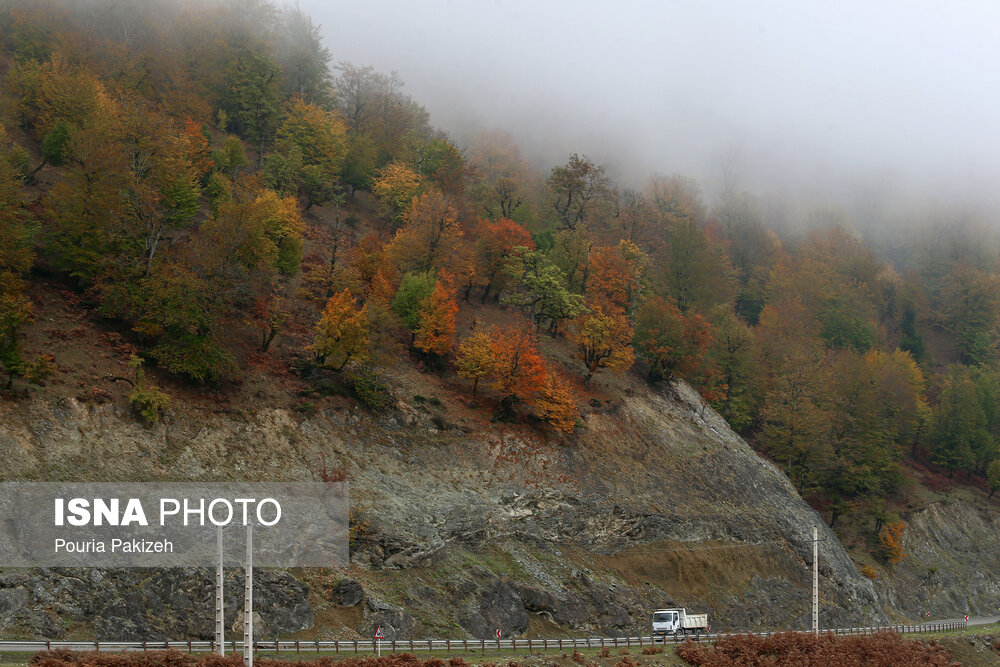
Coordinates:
[542,292]
[251,97]
[671,342]
[179,311]
[959,425]
[732,350]
[579,189]
[413,289]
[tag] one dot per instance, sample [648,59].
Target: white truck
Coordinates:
[678,622]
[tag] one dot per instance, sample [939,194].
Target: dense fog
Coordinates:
[851,101]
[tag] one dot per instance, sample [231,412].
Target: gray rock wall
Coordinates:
[461,529]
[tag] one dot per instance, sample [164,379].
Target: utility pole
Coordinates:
[248,602]
[220,608]
[815,580]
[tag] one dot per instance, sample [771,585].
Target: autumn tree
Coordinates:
[603,340]
[311,146]
[430,237]
[435,332]
[794,420]
[474,357]
[616,277]
[671,342]
[692,267]
[260,231]
[892,542]
[436,160]
[494,245]
[554,402]
[16,258]
[394,186]
[502,200]
[518,367]
[270,314]
[341,334]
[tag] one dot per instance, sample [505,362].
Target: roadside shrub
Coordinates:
[67,658]
[886,649]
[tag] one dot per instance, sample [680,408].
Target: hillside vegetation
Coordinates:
[242,220]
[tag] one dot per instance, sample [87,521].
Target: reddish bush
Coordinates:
[66,658]
[652,650]
[804,650]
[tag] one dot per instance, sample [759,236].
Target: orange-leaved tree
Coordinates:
[341,332]
[430,236]
[603,340]
[554,401]
[496,240]
[435,332]
[519,370]
[615,276]
[892,541]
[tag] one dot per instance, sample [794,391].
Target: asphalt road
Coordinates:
[973,620]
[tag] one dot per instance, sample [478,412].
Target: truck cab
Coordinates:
[665,622]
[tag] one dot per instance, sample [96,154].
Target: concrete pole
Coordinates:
[248,603]
[220,608]
[815,581]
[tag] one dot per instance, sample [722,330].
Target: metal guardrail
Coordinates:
[445,645]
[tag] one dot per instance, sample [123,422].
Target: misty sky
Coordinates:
[779,94]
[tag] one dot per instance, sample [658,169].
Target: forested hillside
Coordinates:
[246,214]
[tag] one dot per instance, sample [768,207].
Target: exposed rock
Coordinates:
[536,600]
[395,623]
[347,593]
[12,600]
[950,567]
[498,607]
[650,471]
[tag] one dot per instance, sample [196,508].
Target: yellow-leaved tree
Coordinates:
[341,332]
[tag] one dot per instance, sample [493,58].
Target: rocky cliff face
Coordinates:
[952,565]
[460,528]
